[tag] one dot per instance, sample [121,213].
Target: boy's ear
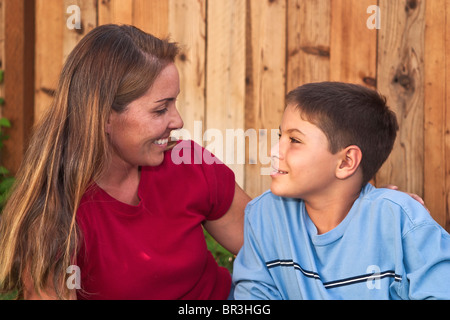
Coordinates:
[349,162]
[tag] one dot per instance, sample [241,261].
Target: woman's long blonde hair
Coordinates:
[110,67]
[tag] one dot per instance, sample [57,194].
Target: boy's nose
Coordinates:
[275,151]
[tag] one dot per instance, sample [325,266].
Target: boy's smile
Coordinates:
[303,165]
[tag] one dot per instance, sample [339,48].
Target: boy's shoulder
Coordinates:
[396,202]
[268,198]
[268,206]
[371,193]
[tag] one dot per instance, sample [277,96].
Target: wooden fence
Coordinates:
[239,59]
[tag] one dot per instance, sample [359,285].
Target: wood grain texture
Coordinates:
[187,27]
[225,74]
[50,24]
[308,38]
[265,88]
[401,80]
[152,16]
[115,11]
[437,118]
[353,46]
[88,19]
[19,75]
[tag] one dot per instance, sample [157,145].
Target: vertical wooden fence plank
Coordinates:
[446,178]
[149,15]
[115,11]
[88,19]
[353,49]
[152,16]
[265,88]
[19,75]
[225,74]
[50,26]
[308,42]
[400,78]
[187,26]
[437,118]
[55,40]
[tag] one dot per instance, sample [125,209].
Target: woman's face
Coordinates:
[140,134]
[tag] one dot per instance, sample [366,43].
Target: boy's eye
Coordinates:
[291,139]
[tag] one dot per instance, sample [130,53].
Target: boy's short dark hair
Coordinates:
[349,114]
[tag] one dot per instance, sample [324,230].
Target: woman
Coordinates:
[97,188]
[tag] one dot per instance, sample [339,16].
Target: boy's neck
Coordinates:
[328,211]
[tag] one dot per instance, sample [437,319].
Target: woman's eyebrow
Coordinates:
[165,99]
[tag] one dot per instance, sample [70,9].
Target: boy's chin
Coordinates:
[281,190]
[277,190]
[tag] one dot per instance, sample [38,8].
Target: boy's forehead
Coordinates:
[292,118]
[293,121]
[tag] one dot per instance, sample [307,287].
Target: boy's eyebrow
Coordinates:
[292,130]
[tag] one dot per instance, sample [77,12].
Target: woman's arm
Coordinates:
[229,229]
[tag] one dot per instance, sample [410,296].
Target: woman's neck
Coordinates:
[121,183]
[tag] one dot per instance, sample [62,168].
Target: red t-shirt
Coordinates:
[157,250]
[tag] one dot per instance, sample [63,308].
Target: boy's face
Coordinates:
[303,165]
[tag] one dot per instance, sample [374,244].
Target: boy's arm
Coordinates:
[427,262]
[250,274]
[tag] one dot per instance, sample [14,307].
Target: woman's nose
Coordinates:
[176,122]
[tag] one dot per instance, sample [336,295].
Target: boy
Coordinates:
[322,231]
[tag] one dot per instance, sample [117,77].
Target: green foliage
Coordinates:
[9,296]
[6,180]
[223,257]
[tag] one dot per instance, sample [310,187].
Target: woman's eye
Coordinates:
[161,111]
[293,140]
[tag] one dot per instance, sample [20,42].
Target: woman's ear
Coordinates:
[108,128]
[349,162]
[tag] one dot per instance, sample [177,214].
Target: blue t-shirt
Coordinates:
[387,247]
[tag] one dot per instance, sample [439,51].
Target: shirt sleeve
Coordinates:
[250,274]
[221,183]
[427,262]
